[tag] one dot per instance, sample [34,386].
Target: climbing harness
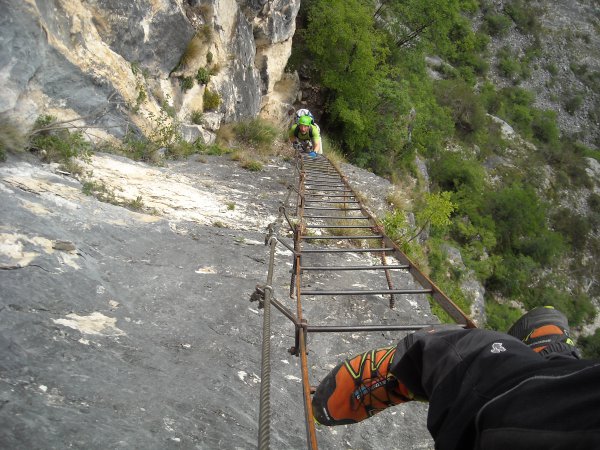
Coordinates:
[325,200]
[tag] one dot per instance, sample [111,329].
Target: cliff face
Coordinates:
[133,329]
[565,76]
[119,65]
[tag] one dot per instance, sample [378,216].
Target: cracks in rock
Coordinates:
[24,267]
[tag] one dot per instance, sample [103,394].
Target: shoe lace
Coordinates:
[377,388]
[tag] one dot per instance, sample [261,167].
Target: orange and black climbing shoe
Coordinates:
[546,331]
[359,388]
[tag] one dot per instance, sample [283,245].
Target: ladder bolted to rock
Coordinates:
[326,201]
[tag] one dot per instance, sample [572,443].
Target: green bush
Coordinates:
[216,150]
[568,161]
[202,76]
[187,83]
[11,138]
[500,317]
[256,132]
[579,69]
[576,306]
[573,227]
[497,24]
[55,142]
[510,67]
[512,275]
[467,109]
[139,148]
[452,172]
[453,291]
[212,100]
[519,216]
[594,203]
[590,345]
[523,15]
[197,117]
[182,149]
[552,69]
[252,165]
[544,126]
[573,103]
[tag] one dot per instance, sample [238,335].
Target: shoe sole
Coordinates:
[537,318]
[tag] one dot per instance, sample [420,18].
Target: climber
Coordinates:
[527,389]
[306,130]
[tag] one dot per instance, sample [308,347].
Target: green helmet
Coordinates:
[304,120]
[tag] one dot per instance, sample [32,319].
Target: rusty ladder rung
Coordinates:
[347,250]
[375,267]
[368,292]
[328,208]
[338,217]
[351,328]
[370,236]
[340,226]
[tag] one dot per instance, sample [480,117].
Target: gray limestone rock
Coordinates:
[143,336]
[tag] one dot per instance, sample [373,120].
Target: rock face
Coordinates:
[121,65]
[134,329]
[567,72]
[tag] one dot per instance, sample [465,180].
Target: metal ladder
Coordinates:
[326,202]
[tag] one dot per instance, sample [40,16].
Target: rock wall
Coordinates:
[122,65]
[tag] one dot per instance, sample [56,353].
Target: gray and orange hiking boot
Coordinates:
[546,331]
[359,388]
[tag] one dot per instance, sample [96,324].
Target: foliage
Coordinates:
[187,83]
[349,53]
[466,108]
[12,139]
[453,291]
[197,117]
[252,165]
[182,149]
[500,317]
[453,172]
[139,148]
[192,51]
[256,133]
[590,345]
[212,100]
[573,103]
[508,64]
[524,15]
[395,224]
[56,143]
[215,150]
[435,211]
[383,108]
[520,219]
[576,306]
[333,151]
[568,161]
[573,227]
[202,76]
[496,24]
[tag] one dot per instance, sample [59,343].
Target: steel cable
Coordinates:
[264,416]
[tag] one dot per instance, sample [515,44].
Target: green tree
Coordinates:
[519,216]
[435,22]
[436,211]
[349,53]
[467,109]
